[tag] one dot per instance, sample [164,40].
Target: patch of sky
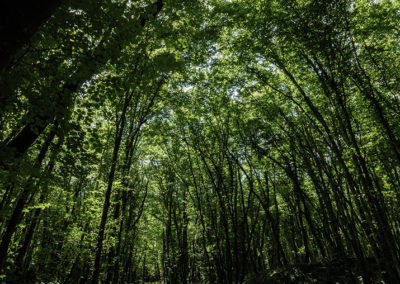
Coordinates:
[267,66]
[75,11]
[234,94]
[187,88]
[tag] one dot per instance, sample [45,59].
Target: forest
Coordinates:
[200,141]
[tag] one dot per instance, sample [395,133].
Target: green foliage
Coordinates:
[203,142]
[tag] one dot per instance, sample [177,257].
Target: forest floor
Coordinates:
[345,270]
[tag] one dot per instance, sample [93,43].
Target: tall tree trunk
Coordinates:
[22,199]
[106,206]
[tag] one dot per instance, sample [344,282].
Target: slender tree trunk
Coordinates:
[22,199]
[107,199]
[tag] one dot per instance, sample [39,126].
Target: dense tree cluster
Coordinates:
[201,141]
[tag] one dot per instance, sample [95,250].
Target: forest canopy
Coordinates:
[200,141]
